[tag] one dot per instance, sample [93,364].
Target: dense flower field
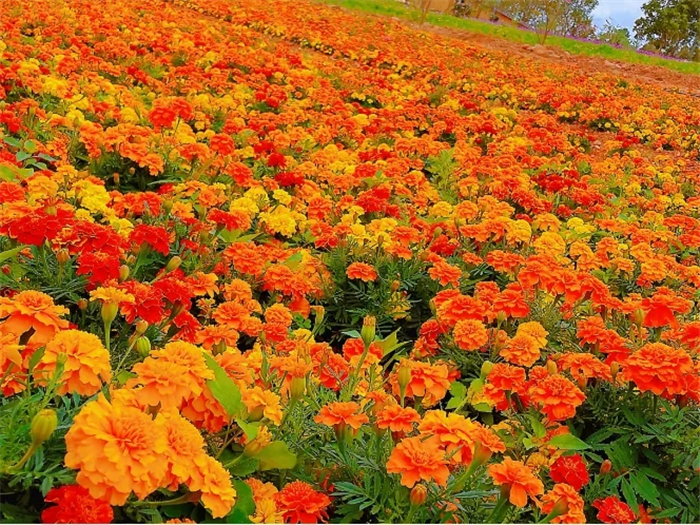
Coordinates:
[271,261]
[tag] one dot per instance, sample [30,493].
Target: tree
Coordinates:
[614,35]
[671,27]
[562,17]
[577,19]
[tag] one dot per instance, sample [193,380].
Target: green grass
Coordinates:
[397,9]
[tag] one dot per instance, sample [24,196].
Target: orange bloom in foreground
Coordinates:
[565,496]
[557,396]
[397,418]
[659,368]
[522,350]
[118,450]
[519,478]
[86,366]
[302,504]
[361,271]
[335,414]
[31,309]
[470,334]
[417,459]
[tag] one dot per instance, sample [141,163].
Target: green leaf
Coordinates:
[30,146]
[458,392]
[645,488]
[13,142]
[294,261]
[353,334]
[124,376]
[223,388]
[7,173]
[36,357]
[537,427]
[390,343]
[245,504]
[567,442]
[249,429]
[276,455]
[7,254]
[245,467]
[630,498]
[21,156]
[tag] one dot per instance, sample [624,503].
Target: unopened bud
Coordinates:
[123,273]
[219,348]
[501,317]
[552,368]
[256,414]
[560,507]
[369,330]
[62,256]
[109,312]
[582,382]
[173,264]
[395,285]
[614,370]
[141,327]
[116,178]
[605,467]
[43,425]
[486,368]
[297,387]
[481,454]
[437,232]
[404,376]
[418,495]
[143,346]
[638,317]
[167,206]
[83,304]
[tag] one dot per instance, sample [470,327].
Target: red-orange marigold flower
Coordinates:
[570,470]
[397,419]
[612,510]
[470,334]
[302,504]
[75,505]
[659,368]
[560,494]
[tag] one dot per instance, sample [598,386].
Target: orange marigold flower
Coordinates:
[612,510]
[566,497]
[557,397]
[519,478]
[418,459]
[521,350]
[430,382]
[300,503]
[184,444]
[74,504]
[659,309]
[397,418]
[659,368]
[31,309]
[362,271]
[12,366]
[261,490]
[86,363]
[536,331]
[335,414]
[584,366]
[171,375]
[470,334]
[445,273]
[212,335]
[263,402]
[214,482]
[118,450]
[453,431]
[279,314]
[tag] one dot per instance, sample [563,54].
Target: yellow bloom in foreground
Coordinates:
[86,363]
[266,512]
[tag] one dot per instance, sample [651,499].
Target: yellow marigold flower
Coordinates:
[261,490]
[266,512]
[111,295]
[117,449]
[86,363]
[214,481]
[31,309]
[41,187]
[172,375]
[263,402]
[282,197]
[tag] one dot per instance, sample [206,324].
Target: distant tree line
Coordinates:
[669,27]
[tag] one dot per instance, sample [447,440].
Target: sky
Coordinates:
[621,12]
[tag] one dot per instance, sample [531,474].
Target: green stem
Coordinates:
[185,498]
[128,350]
[108,328]
[499,509]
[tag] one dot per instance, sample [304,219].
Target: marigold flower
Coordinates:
[75,505]
[361,271]
[214,481]
[565,496]
[418,459]
[171,375]
[31,309]
[397,418]
[612,510]
[266,512]
[264,401]
[300,503]
[571,470]
[521,350]
[86,363]
[339,413]
[430,382]
[660,369]
[557,397]
[470,334]
[117,449]
[519,478]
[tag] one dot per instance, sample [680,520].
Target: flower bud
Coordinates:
[395,285]
[143,346]
[369,330]
[116,178]
[50,210]
[552,368]
[219,348]
[141,327]
[109,312]
[83,304]
[167,205]
[418,495]
[173,264]
[62,256]
[560,507]
[614,370]
[123,273]
[254,447]
[501,317]
[605,467]
[43,425]
[481,454]
[256,414]
[638,317]
[404,376]
[297,387]
[486,368]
